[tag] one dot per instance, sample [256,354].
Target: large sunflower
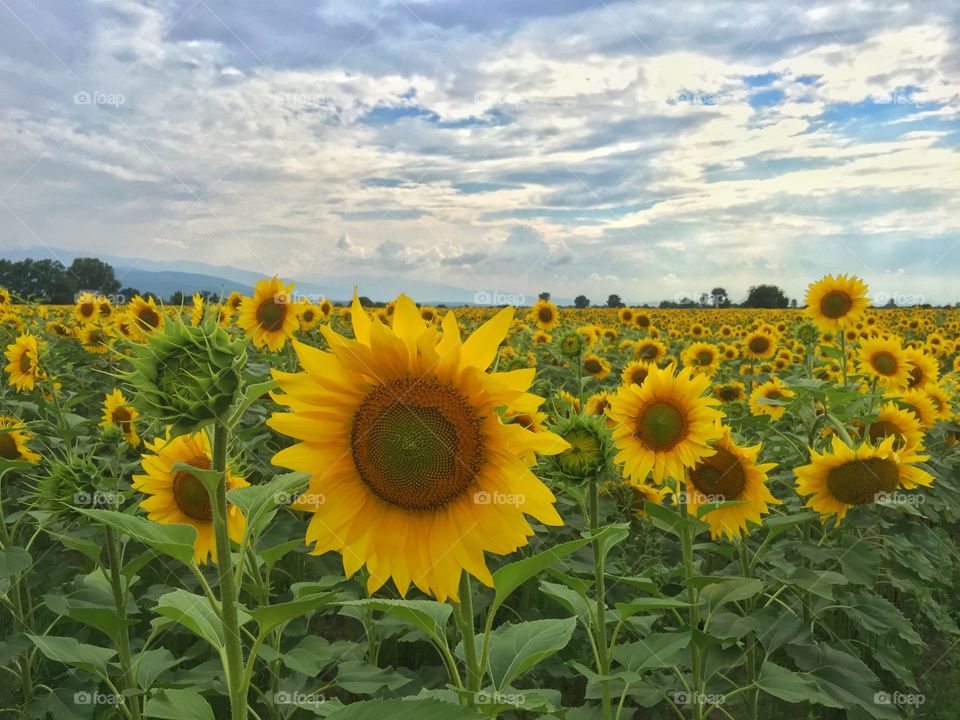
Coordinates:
[903,425]
[883,359]
[269,317]
[759,345]
[118,412]
[181,498]
[835,302]
[413,473]
[24,365]
[545,314]
[731,473]
[664,425]
[924,368]
[86,309]
[13,442]
[649,350]
[844,477]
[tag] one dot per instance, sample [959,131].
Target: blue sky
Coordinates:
[650,150]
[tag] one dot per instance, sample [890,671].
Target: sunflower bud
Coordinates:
[808,334]
[187,377]
[571,344]
[590,447]
[67,485]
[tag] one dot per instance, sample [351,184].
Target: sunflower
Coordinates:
[571,399]
[843,477]
[902,424]
[702,358]
[730,392]
[642,320]
[86,307]
[181,498]
[649,350]
[635,372]
[920,404]
[835,302]
[269,317]
[118,412]
[4,296]
[24,365]
[596,366]
[759,345]
[884,361]
[146,314]
[326,308]
[941,400]
[773,389]
[924,368]
[643,493]
[400,432]
[95,339]
[664,425]
[308,315]
[545,314]
[626,315]
[731,473]
[13,441]
[196,314]
[597,403]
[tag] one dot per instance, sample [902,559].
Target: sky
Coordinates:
[653,150]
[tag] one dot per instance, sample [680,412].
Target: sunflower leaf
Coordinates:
[173,540]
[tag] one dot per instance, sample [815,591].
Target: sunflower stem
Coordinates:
[127,679]
[233,652]
[464,610]
[688,530]
[603,650]
[843,355]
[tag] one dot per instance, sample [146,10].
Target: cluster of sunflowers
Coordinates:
[431,439]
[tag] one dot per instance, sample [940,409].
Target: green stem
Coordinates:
[233,653]
[464,612]
[753,697]
[686,544]
[603,650]
[17,607]
[843,356]
[127,679]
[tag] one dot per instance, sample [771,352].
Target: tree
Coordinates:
[129,293]
[766,296]
[614,301]
[545,296]
[581,301]
[365,301]
[46,280]
[793,302]
[719,297]
[178,298]
[94,275]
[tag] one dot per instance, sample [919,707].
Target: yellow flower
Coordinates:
[180,498]
[596,366]
[413,473]
[702,358]
[845,477]
[732,473]
[664,425]
[771,390]
[545,314]
[884,360]
[833,303]
[146,314]
[269,317]
[759,345]
[13,442]
[118,412]
[24,365]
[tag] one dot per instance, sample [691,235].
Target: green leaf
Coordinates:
[510,577]
[779,524]
[68,651]
[13,560]
[730,590]
[270,616]
[361,678]
[657,650]
[194,613]
[642,605]
[171,704]
[792,687]
[151,663]
[404,710]
[278,491]
[514,649]
[574,601]
[426,615]
[173,540]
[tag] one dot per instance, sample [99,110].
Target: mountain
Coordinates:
[165,277]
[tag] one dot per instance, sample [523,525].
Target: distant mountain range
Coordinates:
[164,278]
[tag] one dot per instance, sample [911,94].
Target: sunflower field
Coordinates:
[276,507]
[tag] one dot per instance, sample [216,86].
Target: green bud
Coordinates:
[187,377]
[590,446]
